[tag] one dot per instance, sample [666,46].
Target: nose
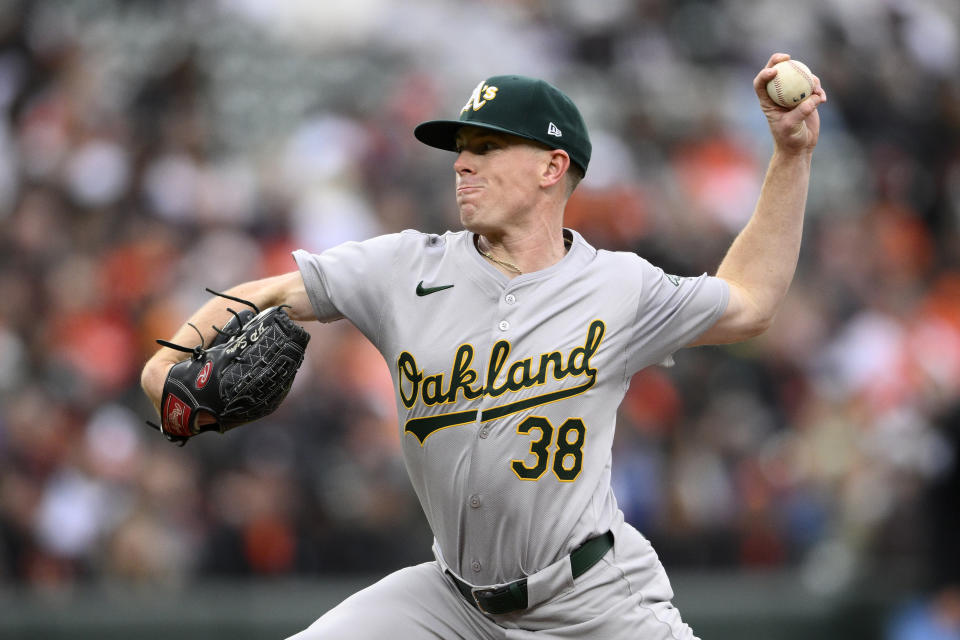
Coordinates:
[463,164]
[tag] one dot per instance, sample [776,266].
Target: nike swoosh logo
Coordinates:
[425,291]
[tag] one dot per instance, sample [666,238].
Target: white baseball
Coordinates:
[792,85]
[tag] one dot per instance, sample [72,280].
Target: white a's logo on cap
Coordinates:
[554,130]
[479,97]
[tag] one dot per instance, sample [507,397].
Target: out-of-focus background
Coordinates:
[803,483]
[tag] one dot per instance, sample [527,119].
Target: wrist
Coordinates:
[792,155]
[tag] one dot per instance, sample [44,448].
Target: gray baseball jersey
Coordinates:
[507,389]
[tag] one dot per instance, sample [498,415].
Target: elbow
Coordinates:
[757,326]
[756,320]
[745,317]
[746,329]
[755,312]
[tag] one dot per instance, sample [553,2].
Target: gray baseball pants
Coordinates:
[625,595]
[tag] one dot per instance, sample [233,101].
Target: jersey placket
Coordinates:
[484,475]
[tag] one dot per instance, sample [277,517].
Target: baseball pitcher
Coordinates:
[511,344]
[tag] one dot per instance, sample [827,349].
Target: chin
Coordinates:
[469,218]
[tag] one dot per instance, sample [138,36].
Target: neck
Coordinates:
[524,253]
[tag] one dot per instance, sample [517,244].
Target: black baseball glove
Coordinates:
[242,376]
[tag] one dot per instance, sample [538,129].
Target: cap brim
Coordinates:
[442,134]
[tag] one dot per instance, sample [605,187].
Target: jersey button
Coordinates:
[476,566]
[484,431]
[475,501]
[510,298]
[504,325]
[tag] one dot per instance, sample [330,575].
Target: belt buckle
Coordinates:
[485,591]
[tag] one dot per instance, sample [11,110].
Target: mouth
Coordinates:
[464,189]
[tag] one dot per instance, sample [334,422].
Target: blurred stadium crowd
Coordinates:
[149,150]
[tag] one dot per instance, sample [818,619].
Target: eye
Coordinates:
[478,147]
[484,146]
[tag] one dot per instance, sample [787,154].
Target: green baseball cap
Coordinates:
[526,107]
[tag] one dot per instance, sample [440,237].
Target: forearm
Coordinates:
[762,259]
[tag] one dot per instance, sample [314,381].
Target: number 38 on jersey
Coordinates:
[563,455]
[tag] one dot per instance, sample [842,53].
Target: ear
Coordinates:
[558,161]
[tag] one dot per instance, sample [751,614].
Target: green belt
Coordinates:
[511,597]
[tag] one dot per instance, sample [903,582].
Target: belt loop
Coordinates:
[550,582]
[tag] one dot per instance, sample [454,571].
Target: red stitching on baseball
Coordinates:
[779,88]
[803,73]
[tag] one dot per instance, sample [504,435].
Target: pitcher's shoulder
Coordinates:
[620,259]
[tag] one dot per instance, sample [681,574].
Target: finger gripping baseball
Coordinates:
[243,376]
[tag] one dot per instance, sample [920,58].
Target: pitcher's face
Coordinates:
[498,178]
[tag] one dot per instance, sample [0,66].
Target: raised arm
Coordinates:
[286,289]
[760,263]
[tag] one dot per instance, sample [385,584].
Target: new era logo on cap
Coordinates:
[553,130]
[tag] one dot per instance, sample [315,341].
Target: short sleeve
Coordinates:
[672,312]
[350,280]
